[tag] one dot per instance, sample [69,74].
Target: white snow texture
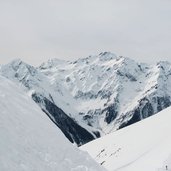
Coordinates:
[29,141]
[144,146]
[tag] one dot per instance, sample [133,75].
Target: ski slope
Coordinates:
[29,141]
[144,146]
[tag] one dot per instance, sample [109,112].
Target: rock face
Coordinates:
[74,132]
[146,109]
[99,93]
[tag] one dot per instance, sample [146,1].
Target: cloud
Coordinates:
[38,30]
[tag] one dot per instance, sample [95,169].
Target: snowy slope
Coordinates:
[29,141]
[144,146]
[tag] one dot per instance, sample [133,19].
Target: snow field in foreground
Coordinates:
[144,146]
[29,141]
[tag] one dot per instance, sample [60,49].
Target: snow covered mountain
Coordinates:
[38,86]
[109,92]
[97,95]
[28,139]
[144,146]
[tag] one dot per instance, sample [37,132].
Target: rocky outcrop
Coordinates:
[74,132]
[146,108]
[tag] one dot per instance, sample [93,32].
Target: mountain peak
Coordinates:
[54,62]
[164,64]
[17,69]
[16,62]
[105,56]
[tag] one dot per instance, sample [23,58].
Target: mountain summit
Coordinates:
[95,95]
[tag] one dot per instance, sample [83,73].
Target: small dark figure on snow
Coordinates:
[166,167]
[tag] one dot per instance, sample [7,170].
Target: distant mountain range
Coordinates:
[94,96]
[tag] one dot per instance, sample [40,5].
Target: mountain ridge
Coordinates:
[101,93]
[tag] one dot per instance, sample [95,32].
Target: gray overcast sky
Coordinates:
[36,30]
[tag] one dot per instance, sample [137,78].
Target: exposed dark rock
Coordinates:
[145,109]
[127,75]
[97,134]
[135,118]
[86,95]
[163,102]
[105,94]
[111,113]
[73,131]
[88,118]
[130,77]
[68,79]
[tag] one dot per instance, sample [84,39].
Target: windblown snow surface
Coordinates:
[144,146]
[29,141]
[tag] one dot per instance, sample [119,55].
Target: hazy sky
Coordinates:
[36,30]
